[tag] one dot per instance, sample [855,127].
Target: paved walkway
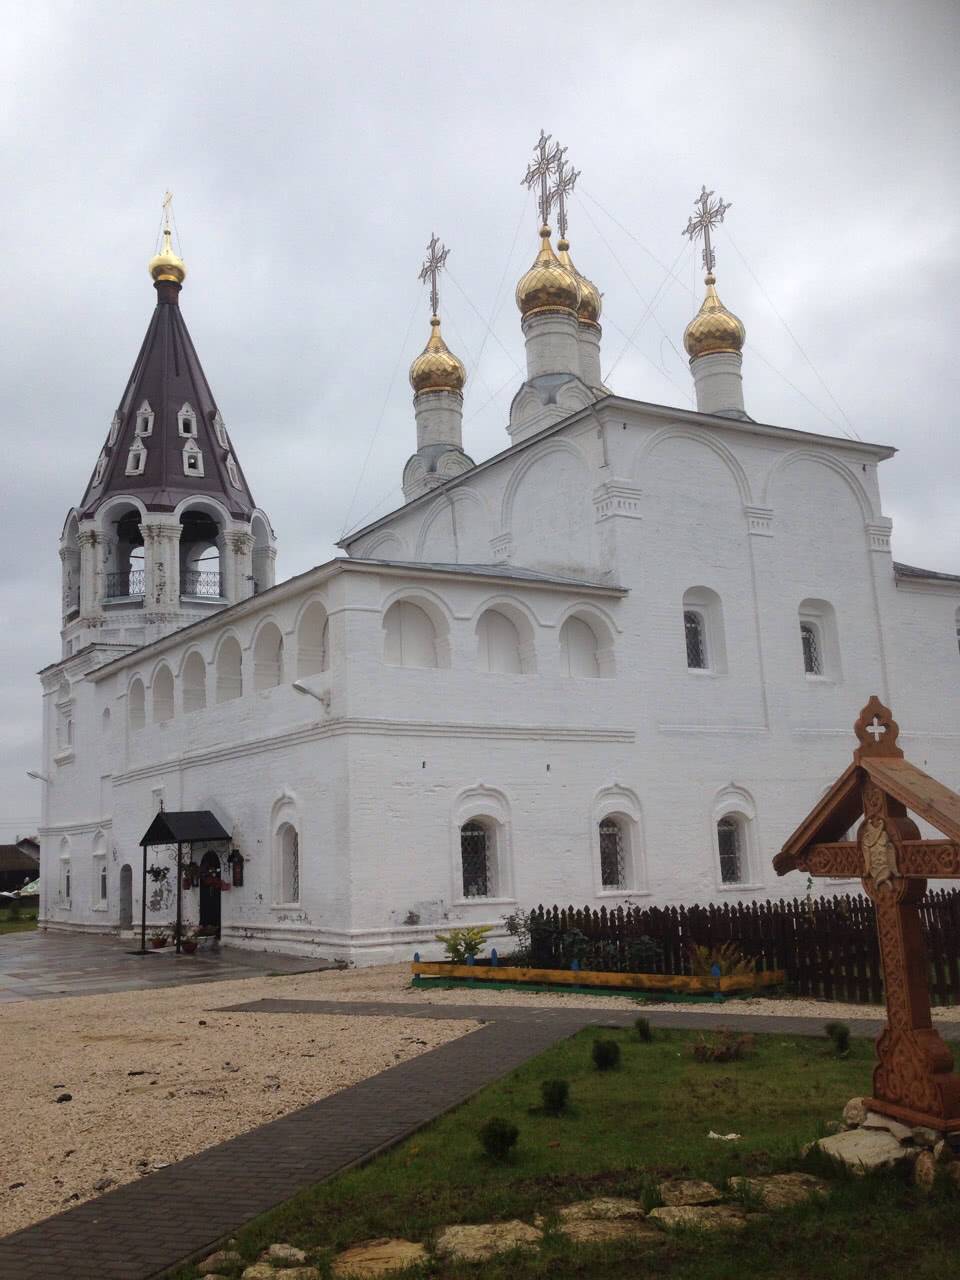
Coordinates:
[141,1230]
[43,965]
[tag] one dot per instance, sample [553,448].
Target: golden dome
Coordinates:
[166,265]
[588,311]
[436,368]
[713,329]
[548,285]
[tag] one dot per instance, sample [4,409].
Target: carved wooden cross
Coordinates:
[913,1080]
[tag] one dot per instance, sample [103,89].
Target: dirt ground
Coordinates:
[158,1075]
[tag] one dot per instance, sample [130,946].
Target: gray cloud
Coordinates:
[314,147]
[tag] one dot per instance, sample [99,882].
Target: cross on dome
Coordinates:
[541,170]
[433,264]
[566,180]
[710,213]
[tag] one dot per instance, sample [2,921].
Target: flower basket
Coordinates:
[188,946]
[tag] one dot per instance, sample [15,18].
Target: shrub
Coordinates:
[644,955]
[839,1033]
[13,909]
[606,1054]
[554,1094]
[728,956]
[498,1137]
[724,1046]
[464,943]
[643,1029]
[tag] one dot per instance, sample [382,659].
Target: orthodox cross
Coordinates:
[541,170]
[913,1079]
[709,214]
[566,180]
[165,205]
[432,266]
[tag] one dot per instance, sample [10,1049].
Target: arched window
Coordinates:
[268,657]
[288,864]
[478,859]
[201,576]
[136,705]
[818,640]
[162,695]
[613,853]
[70,573]
[124,563]
[703,630]
[194,680]
[229,670]
[578,649]
[498,643]
[409,637]
[313,641]
[730,843]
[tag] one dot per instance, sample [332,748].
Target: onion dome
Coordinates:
[588,311]
[166,265]
[436,368]
[548,285]
[713,329]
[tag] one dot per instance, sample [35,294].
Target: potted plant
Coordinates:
[188,945]
[159,938]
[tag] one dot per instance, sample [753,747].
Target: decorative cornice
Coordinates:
[617,498]
[759,521]
[878,532]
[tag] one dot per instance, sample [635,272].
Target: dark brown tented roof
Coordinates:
[184,826]
[167,374]
[13,858]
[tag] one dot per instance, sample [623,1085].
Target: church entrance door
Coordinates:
[126,896]
[209,894]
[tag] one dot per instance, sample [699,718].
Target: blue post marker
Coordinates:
[715,972]
[493,958]
[416,976]
[575,965]
[471,962]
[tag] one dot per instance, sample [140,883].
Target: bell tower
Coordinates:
[167,530]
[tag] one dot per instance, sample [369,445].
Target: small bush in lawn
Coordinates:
[724,1046]
[643,1029]
[606,1054]
[554,1094]
[839,1033]
[498,1137]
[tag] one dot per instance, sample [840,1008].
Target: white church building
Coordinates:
[615,662]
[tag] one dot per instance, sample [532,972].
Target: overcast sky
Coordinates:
[313,147]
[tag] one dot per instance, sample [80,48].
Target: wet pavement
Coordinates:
[44,965]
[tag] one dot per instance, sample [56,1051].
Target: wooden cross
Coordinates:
[913,1080]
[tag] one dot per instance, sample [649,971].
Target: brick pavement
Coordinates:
[142,1229]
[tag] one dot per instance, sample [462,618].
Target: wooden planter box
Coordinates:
[590,978]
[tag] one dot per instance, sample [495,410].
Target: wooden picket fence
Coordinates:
[827,946]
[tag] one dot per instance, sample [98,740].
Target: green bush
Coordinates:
[606,1055]
[839,1033]
[554,1094]
[498,1137]
[464,943]
[643,1029]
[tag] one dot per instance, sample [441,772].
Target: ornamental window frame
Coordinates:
[233,472]
[114,430]
[488,809]
[220,431]
[144,423]
[136,459]
[100,467]
[705,605]
[192,458]
[819,642]
[620,805]
[734,810]
[187,421]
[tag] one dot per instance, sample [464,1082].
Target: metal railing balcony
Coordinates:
[125,584]
[201,584]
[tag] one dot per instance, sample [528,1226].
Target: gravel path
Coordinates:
[155,1076]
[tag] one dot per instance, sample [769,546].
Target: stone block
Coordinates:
[708,1217]
[925,1171]
[483,1241]
[283,1254]
[377,1258]
[925,1137]
[601,1231]
[688,1191]
[780,1190]
[219,1262]
[855,1112]
[874,1120]
[863,1149]
[602,1209]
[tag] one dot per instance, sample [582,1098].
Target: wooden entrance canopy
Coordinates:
[913,1080]
[179,827]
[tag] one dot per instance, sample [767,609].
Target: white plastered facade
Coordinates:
[606,519]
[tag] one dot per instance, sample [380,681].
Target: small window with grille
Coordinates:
[612,862]
[730,843]
[136,460]
[695,634]
[192,459]
[812,649]
[475,860]
[144,425]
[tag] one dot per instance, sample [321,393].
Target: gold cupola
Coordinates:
[588,312]
[436,368]
[166,265]
[713,329]
[548,285]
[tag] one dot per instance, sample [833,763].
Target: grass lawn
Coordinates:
[625,1131]
[25,919]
